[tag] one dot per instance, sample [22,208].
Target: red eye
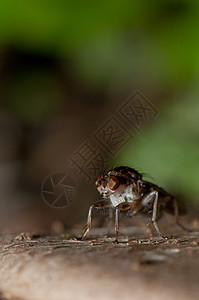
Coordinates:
[113,183]
[96,180]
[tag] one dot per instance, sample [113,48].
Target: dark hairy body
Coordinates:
[123,189]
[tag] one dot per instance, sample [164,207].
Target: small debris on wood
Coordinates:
[26,236]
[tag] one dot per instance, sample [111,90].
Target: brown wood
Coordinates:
[59,267]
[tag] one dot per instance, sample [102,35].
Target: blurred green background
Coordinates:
[65,67]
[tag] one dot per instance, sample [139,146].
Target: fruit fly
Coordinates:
[123,189]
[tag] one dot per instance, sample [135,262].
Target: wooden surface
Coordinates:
[58,268]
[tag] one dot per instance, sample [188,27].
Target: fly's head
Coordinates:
[106,185]
[115,179]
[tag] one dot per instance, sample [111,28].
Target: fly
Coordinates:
[123,189]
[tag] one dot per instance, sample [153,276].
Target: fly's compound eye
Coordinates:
[97,184]
[113,183]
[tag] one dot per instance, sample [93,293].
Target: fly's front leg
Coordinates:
[98,204]
[88,226]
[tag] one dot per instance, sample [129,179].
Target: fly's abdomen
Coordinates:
[170,204]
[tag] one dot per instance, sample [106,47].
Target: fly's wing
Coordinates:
[166,201]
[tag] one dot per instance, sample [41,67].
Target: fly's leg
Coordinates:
[122,206]
[88,226]
[98,204]
[116,224]
[154,216]
[176,212]
[147,199]
[110,218]
[149,229]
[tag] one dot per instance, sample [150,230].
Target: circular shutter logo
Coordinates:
[59,189]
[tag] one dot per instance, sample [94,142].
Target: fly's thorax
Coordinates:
[125,193]
[130,193]
[118,196]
